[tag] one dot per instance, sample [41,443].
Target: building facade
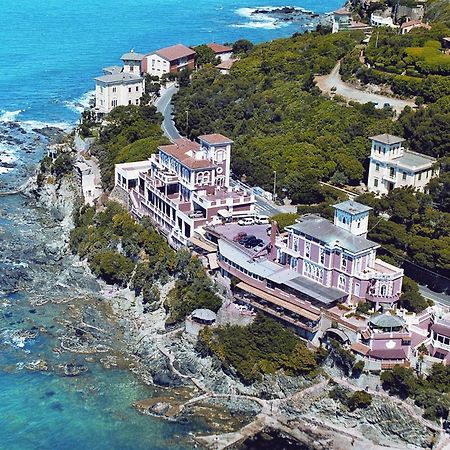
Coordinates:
[169,60]
[342,20]
[392,166]
[117,89]
[223,52]
[132,62]
[185,186]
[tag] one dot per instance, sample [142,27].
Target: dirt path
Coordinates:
[333,80]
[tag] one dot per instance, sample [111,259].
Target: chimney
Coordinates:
[273,237]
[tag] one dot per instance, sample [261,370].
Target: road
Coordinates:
[164,106]
[437,297]
[333,80]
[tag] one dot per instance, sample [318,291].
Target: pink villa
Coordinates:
[185,186]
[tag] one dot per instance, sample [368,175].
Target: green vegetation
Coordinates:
[278,119]
[284,220]
[55,169]
[411,298]
[413,63]
[123,252]
[263,347]
[343,358]
[431,393]
[438,11]
[132,133]
[415,231]
[357,400]
[205,56]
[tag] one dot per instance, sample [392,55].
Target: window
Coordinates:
[114,89]
[375,182]
[391,172]
[114,103]
[377,167]
[129,89]
[383,290]
[341,282]
[137,102]
[137,88]
[322,256]
[420,176]
[344,263]
[129,102]
[357,289]
[295,243]
[404,175]
[307,249]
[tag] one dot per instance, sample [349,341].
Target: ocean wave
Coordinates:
[9,116]
[30,125]
[7,156]
[263,20]
[79,104]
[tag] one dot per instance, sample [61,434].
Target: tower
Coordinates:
[352,216]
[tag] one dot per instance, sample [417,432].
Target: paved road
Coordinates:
[333,80]
[437,297]
[164,106]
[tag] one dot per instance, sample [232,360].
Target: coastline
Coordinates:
[191,385]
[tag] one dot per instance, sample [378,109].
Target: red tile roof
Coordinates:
[413,23]
[219,48]
[342,12]
[226,64]
[358,347]
[175,52]
[215,139]
[180,149]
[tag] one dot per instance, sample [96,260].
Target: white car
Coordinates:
[262,220]
[246,221]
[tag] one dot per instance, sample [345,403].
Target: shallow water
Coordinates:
[51,50]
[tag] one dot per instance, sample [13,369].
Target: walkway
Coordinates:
[164,106]
[327,82]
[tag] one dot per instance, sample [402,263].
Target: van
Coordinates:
[246,221]
[262,220]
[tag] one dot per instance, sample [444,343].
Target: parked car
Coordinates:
[259,247]
[252,242]
[246,221]
[240,236]
[262,220]
[247,238]
[196,214]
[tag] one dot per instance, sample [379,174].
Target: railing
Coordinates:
[381,299]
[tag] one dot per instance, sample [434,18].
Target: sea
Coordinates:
[50,51]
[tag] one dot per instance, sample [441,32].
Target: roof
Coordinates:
[413,160]
[414,23]
[352,207]
[386,321]
[342,12]
[314,290]
[180,150]
[175,52]
[358,347]
[112,69]
[204,314]
[118,78]
[395,353]
[323,230]
[219,48]
[215,139]
[387,139]
[226,65]
[441,329]
[132,56]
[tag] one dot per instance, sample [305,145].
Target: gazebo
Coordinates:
[386,322]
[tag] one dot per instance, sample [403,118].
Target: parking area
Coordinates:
[250,237]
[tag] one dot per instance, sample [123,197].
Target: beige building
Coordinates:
[132,62]
[392,166]
[117,89]
[169,60]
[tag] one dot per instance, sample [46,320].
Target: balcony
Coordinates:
[382,299]
[223,197]
[382,271]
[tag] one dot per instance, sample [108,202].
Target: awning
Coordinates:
[212,260]
[224,213]
[278,301]
[205,246]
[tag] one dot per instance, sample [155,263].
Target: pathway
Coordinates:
[164,106]
[327,82]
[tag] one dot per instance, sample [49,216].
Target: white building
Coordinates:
[117,89]
[169,60]
[392,166]
[380,20]
[224,52]
[132,62]
[342,19]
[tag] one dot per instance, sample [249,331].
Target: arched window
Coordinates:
[383,290]
[341,282]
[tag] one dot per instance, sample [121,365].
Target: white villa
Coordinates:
[169,60]
[120,86]
[392,166]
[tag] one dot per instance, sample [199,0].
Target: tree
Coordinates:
[242,46]
[205,55]
[399,381]
[411,298]
[63,164]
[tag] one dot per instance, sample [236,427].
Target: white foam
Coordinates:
[29,125]
[9,116]
[7,155]
[79,104]
[259,20]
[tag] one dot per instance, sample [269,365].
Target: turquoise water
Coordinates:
[50,51]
